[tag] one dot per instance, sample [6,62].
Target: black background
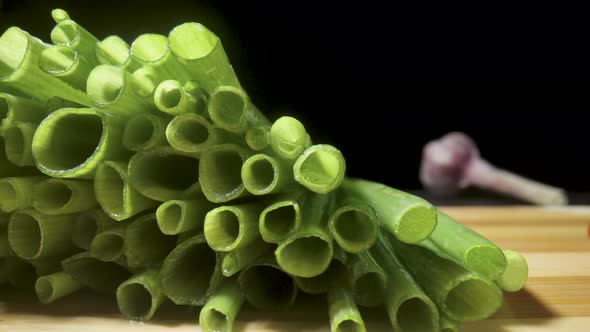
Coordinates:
[380,81]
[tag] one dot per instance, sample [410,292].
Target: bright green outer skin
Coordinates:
[145,245]
[132,203]
[466,246]
[23,188]
[83,41]
[410,218]
[75,74]
[213,173]
[236,260]
[149,280]
[21,110]
[186,103]
[441,275]
[27,78]
[52,232]
[210,68]
[171,267]
[227,301]
[109,147]
[192,216]
[55,286]
[81,199]
[103,277]
[362,265]
[98,252]
[401,286]
[342,308]
[247,217]
[18,148]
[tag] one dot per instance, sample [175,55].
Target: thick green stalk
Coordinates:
[266,286]
[335,276]
[8,169]
[104,277]
[462,294]
[34,235]
[220,311]
[87,225]
[236,260]
[165,174]
[16,193]
[191,272]
[230,108]
[170,97]
[19,70]
[320,168]
[354,224]
[140,296]
[263,175]
[98,136]
[63,196]
[344,315]
[176,216]
[116,52]
[107,245]
[145,131]
[115,194]
[153,50]
[516,273]
[15,109]
[368,279]
[145,244]
[288,138]
[232,227]
[19,273]
[308,251]
[408,307]
[144,82]
[411,219]
[54,286]
[257,137]
[280,219]
[18,139]
[467,247]
[193,133]
[202,53]
[66,64]
[220,172]
[68,32]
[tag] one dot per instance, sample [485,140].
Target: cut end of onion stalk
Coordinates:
[415,314]
[305,255]
[220,170]
[516,273]
[279,220]
[14,46]
[257,138]
[267,288]
[107,246]
[227,108]
[288,137]
[415,223]
[487,260]
[17,143]
[192,41]
[354,228]
[149,47]
[472,298]
[113,51]
[58,59]
[190,133]
[140,296]
[260,174]
[320,168]
[369,289]
[105,85]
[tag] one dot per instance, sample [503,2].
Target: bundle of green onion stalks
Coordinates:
[145,173]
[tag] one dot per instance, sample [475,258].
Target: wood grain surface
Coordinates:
[557,296]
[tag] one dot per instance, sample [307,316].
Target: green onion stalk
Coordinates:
[178,216]
[335,276]
[87,225]
[18,139]
[220,311]
[230,108]
[263,175]
[344,314]
[63,196]
[193,133]
[8,169]
[19,273]
[232,227]
[67,32]
[516,273]
[154,50]
[116,52]
[107,245]
[144,131]
[54,286]
[320,168]
[220,172]
[16,193]
[66,64]
[140,296]
[368,279]
[281,218]
[145,245]
[236,260]
[103,277]
[14,110]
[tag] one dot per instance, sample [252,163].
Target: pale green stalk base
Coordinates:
[344,315]
[320,168]
[63,196]
[220,311]
[516,273]
[140,296]
[145,245]
[232,227]
[55,286]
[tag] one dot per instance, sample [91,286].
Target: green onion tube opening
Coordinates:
[344,315]
[410,218]
[171,98]
[468,247]
[16,193]
[176,216]
[202,53]
[163,174]
[19,273]
[33,234]
[320,168]
[145,244]
[107,245]
[368,279]
[15,110]
[140,296]
[462,294]
[97,135]
[115,194]
[288,137]
[8,169]
[190,272]
[335,276]
[144,82]
[516,273]
[279,220]
[354,227]
[87,225]
[220,172]
[220,311]
[231,227]
[153,49]
[263,174]
[55,286]
[110,87]
[193,133]
[257,138]
[68,32]
[408,307]
[65,63]
[63,196]
[145,131]
[231,109]
[103,277]
[19,69]
[236,260]
[18,140]
[116,52]
[199,95]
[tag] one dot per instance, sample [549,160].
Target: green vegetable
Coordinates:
[320,168]
[368,280]
[263,174]
[145,131]
[516,273]
[235,260]
[220,311]
[18,139]
[115,51]
[230,108]
[220,172]
[288,137]
[354,224]
[109,88]
[87,225]
[19,273]
[68,32]
[154,50]
[55,286]
[66,64]
[140,296]
[176,216]
[63,196]
[171,98]
[335,276]
[103,277]
[16,193]
[107,245]
[344,315]
[14,110]
[145,245]
[280,219]
[193,133]
[232,227]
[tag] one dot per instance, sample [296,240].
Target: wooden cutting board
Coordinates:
[555,242]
